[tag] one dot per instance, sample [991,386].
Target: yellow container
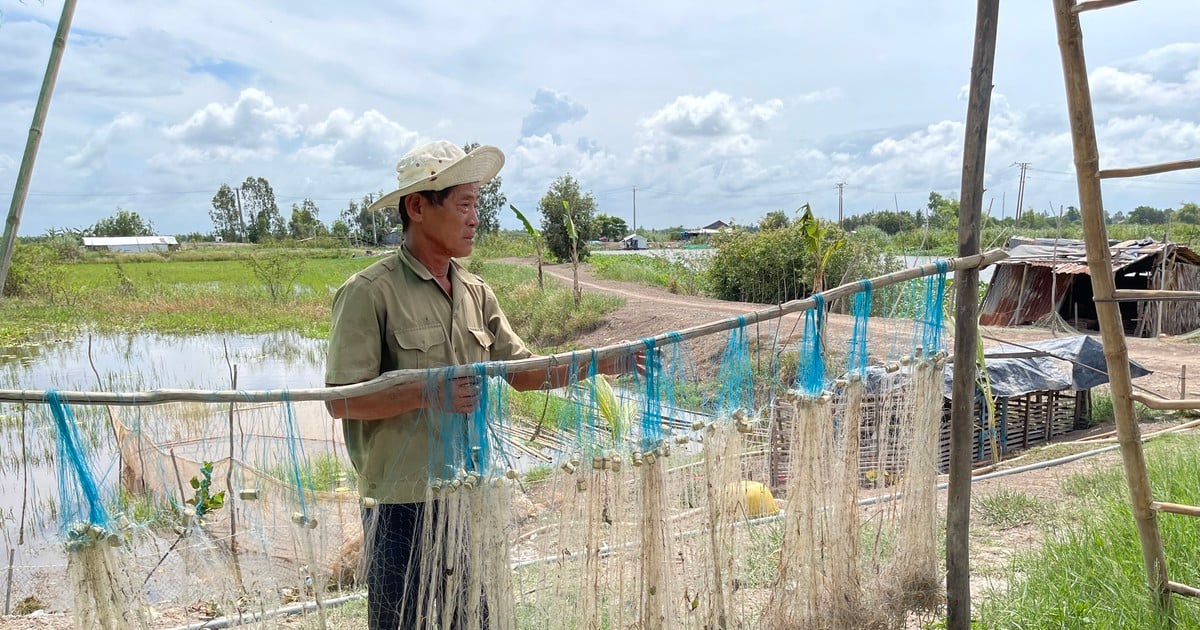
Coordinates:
[759,500]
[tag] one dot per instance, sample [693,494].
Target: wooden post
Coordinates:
[966,323]
[1112,333]
[1183,381]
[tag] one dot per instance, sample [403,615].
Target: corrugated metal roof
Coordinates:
[119,241]
[1018,296]
[1066,256]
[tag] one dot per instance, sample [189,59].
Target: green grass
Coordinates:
[545,318]
[676,277]
[1007,509]
[504,245]
[214,291]
[1091,575]
[535,408]
[539,473]
[325,472]
[177,296]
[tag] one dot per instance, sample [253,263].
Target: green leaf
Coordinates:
[528,227]
[195,483]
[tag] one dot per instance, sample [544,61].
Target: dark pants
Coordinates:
[392,547]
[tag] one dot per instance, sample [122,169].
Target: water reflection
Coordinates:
[136,361]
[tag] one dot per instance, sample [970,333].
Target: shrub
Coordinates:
[35,272]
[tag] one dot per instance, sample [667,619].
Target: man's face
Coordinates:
[450,226]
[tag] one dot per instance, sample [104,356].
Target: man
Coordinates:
[418,308]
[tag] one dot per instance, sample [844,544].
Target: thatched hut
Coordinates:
[1048,279]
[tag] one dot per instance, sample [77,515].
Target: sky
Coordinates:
[711,110]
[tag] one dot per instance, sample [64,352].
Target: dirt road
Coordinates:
[650,311]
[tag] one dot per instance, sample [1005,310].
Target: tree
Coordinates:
[1146,215]
[123,223]
[610,227]
[491,200]
[258,204]
[227,222]
[1188,213]
[304,222]
[368,226]
[554,226]
[943,211]
[1072,215]
[774,220]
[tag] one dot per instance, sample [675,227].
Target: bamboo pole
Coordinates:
[25,173]
[966,322]
[1087,166]
[495,368]
[1161,295]
[1176,508]
[1152,169]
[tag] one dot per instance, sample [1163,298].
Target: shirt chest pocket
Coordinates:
[422,347]
[481,340]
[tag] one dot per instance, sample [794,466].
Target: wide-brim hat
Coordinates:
[441,165]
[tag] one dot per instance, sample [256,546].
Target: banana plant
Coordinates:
[537,240]
[574,236]
[819,244]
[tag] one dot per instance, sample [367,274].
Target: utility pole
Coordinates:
[25,173]
[635,210]
[241,220]
[841,189]
[1020,188]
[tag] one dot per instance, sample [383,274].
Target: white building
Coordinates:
[131,244]
[635,241]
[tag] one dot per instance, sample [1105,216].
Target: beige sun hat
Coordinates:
[441,165]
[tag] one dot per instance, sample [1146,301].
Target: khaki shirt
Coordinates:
[393,316]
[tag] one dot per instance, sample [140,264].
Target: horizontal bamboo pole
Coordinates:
[1156,295]
[1152,169]
[1098,4]
[1166,404]
[1183,589]
[1175,508]
[494,368]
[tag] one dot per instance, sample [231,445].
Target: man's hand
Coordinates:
[460,396]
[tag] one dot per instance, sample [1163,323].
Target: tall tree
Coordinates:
[123,223]
[554,226]
[304,222]
[610,227]
[258,204]
[491,200]
[367,226]
[774,220]
[227,224]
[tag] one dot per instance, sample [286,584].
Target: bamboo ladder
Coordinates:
[1089,174]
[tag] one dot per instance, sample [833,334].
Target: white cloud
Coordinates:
[819,96]
[252,122]
[370,141]
[93,155]
[714,114]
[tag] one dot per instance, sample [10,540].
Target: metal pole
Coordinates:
[966,322]
[21,189]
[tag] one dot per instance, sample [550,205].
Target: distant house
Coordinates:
[716,227]
[131,244]
[635,241]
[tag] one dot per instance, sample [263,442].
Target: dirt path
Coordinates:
[650,311]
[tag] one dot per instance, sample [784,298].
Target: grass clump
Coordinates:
[1007,509]
[678,277]
[324,472]
[1091,575]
